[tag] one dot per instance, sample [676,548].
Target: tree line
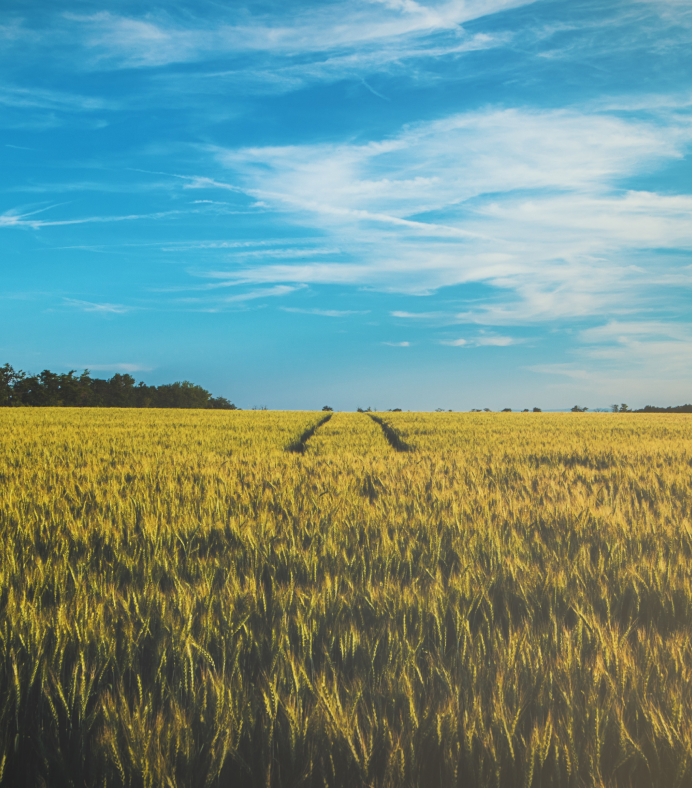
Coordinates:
[50,389]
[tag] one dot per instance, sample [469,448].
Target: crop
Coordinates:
[185,602]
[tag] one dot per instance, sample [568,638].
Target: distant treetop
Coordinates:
[49,389]
[675,409]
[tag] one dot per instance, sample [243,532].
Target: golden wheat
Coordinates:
[184,602]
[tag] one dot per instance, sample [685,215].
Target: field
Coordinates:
[186,602]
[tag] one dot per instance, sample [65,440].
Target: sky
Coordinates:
[375,203]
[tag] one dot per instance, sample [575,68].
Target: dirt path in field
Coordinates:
[300,444]
[392,435]
[349,433]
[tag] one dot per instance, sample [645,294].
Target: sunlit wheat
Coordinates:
[184,602]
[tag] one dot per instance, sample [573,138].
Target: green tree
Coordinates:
[181,395]
[221,403]
[8,379]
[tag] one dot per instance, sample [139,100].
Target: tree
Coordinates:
[537,410]
[181,395]
[67,390]
[27,391]
[327,408]
[577,409]
[221,403]
[8,379]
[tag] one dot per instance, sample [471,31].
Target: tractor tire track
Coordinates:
[298,446]
[393,436]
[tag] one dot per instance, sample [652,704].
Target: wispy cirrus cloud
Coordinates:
[418,315]
[325,312]
[285,75]
[118,367]
[310,273]
[651,344]
[42,98]
[206,300]
[527,201]
[99,308]
[641,360]
[16,219]
[265,292]
[358,37]
[462,157]
[482,341]
[161,39]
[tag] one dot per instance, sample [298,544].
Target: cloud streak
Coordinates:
[481,341]
[119,367]
[153,41]
[526,201]
[98,308]
[325,312]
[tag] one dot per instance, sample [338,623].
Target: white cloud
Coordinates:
[568,370]
[481,341]
[495,341]
[100,308]
[524,200]
[37,98]
[129,368]
[15,219]
[623,332]
[393,58]
[647,362]
[311,273]
[267,292]
[417,315]
[662,348]
[397,344]
[325,312]
[158,39]
[437,165]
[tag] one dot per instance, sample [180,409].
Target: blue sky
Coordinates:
[380,203]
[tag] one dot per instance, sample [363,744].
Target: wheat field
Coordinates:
[208,598]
